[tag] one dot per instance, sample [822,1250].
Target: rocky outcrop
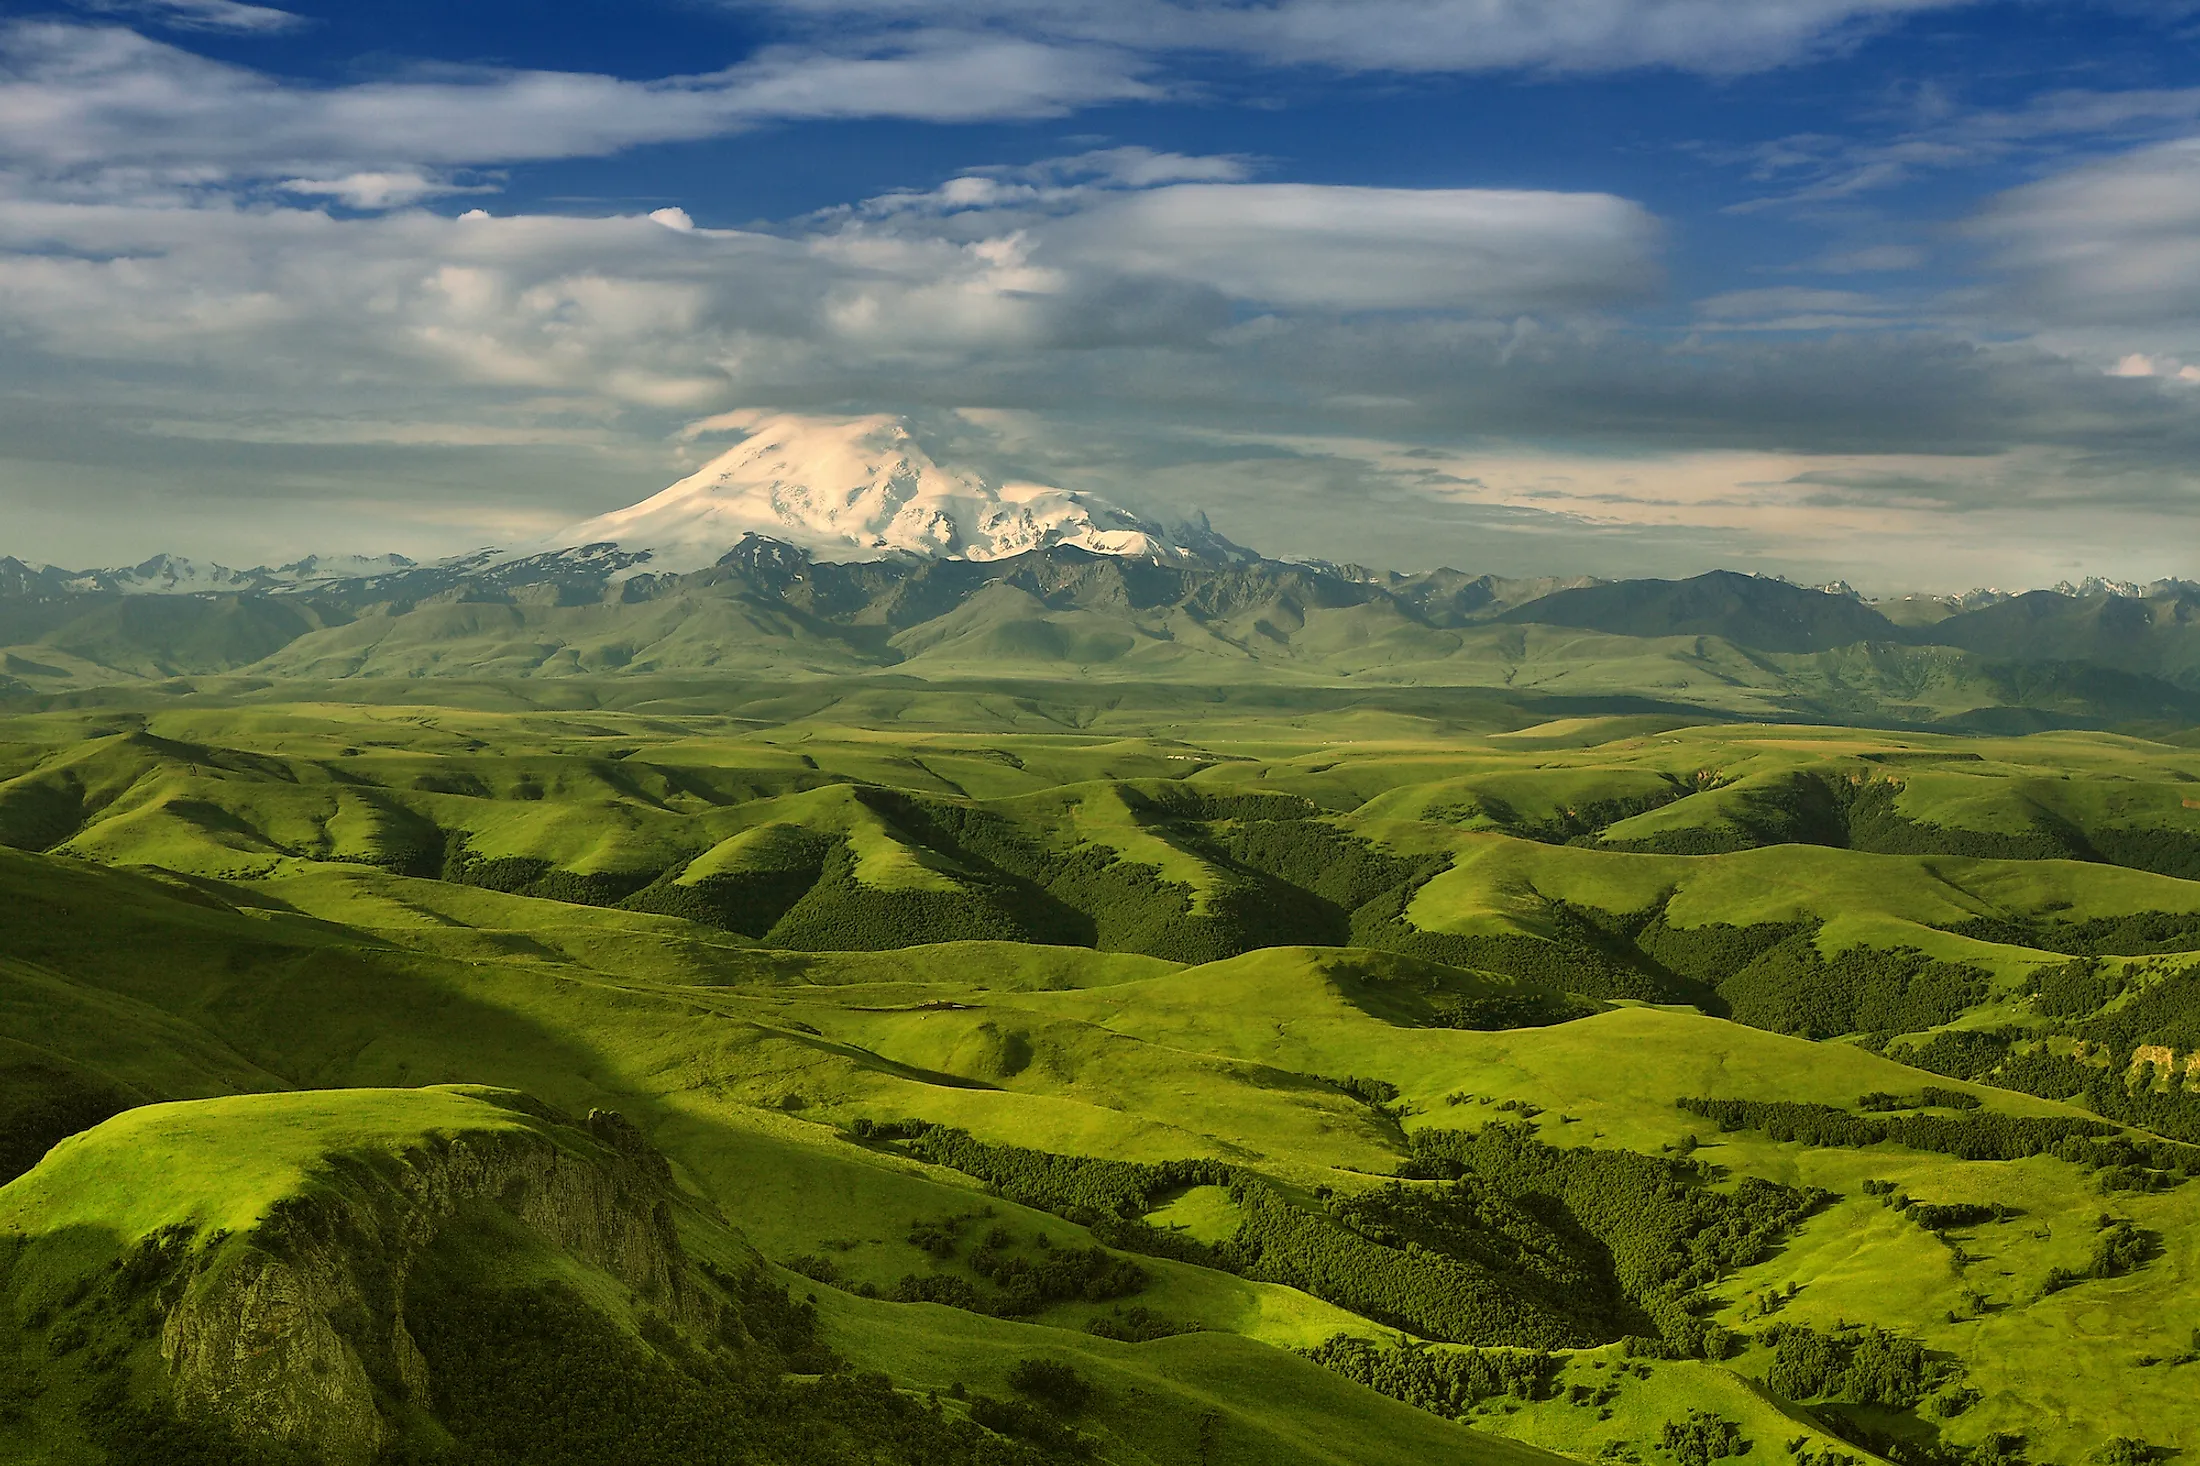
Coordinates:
[296,1331]
[2161,1061]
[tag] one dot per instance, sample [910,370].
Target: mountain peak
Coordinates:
[864,488]
[166,575]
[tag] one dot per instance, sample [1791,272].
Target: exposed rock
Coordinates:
[296,1331]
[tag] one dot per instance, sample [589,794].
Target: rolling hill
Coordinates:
[1304,1081]
[1721,644]
[1746,610]
[961,975]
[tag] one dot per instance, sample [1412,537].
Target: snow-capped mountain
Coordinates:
[177,575]
[862,488]
[328,569]
[2094,585]
[167,575]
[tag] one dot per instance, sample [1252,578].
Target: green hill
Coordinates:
[1312,1075]
[354,1274]
[2154,635]
[1747,610]
[1734,644]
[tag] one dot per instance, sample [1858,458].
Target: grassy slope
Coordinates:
[225,1164]
[344,975]
[643,1052]
[580,1040]
[1273,640]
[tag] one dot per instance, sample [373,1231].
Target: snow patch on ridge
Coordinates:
[177,575]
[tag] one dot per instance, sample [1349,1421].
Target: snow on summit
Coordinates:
[859,488]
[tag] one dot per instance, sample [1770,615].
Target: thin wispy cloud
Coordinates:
[1424,36]
[1897,147]
[205,15]
[103,99]
[225,284]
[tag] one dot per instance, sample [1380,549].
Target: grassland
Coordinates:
[924,996]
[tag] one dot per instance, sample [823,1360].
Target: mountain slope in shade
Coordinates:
[1747,610]
[862,488]
[2156,635]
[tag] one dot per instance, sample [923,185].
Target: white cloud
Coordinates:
[932,76]
[109,102]
[210,15]
[1934,134]
[153,276]
[379,190]
[1063,225]
[1324,247]
[1427,35]
[1798,309]
[1134,167]
[2111,242]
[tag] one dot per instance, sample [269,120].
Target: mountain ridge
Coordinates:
[1732,644]
[834,547]
[864,488]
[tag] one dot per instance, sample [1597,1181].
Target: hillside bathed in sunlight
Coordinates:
[1177,733]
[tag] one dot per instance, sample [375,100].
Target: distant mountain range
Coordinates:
[840,547]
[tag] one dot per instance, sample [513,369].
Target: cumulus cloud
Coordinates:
[167,252]
[1378,315]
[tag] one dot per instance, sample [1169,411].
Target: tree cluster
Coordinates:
[1858,1366]
[535,1376]
[1447,1382]
[1702,1437]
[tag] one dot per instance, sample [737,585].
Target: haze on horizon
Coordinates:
[1901,291]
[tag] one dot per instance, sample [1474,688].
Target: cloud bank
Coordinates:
[237,304]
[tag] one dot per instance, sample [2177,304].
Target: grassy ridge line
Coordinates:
[1558,1033]
[590,857]
[1144,1411]
[1503,884]
[951,1043]
[1280,625]
[222,1164]
[98,1184]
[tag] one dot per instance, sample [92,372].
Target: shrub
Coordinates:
[1055,1385]
[1702,1438]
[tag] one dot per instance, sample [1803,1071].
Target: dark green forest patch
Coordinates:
[1494,1238]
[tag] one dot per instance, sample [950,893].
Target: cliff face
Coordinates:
[296,1330]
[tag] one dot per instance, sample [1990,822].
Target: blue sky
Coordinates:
[1906,291]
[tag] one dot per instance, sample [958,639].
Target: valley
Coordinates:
[1612,1084]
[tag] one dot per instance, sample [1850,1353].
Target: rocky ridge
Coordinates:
[295,1331]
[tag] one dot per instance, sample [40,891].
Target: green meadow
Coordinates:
[486,1073]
